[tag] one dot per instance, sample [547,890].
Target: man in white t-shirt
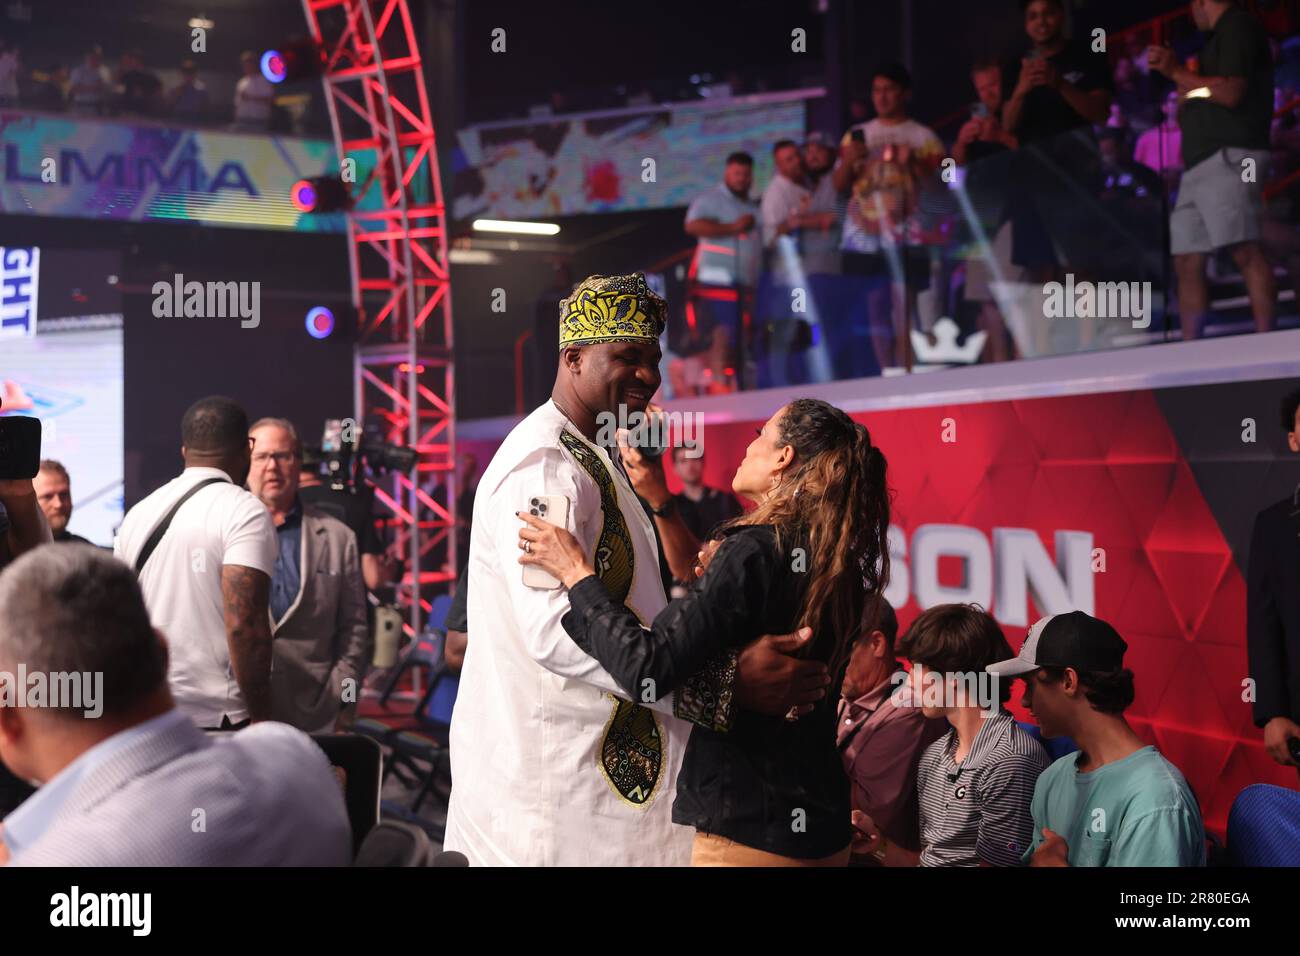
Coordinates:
[89,83]
[207,582]
[253,95]
[786,219]
[884,166]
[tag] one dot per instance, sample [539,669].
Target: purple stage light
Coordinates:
[273,67]
[303,195]
[320,322]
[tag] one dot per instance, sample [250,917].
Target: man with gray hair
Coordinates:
[318,603]
[139,784]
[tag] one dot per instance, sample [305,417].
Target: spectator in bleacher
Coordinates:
[321,641]
[1133,95]
[10,69]
[53,490]
[1226,120]
[188,99]
[48,91]
[702,507]
[139,89]
[821,247]
[1161,147]
[1122,177]
[785,201]
[880,741]
[883,166]
[984,149]
[1061,90]
[1117,801]
[89,84]
[127,779]
[1061,85]
[784,218]
[1281,238]
[974,783]
[983,134]
[728,254]
[1273,610]
[254,96]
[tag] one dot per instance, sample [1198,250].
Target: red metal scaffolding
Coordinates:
[397,245]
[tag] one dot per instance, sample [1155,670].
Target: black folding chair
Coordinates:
[362,761]
[394,843]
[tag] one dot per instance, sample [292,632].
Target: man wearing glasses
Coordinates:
[318,605]
[203,549]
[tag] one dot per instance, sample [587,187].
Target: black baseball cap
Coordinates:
[1075,640]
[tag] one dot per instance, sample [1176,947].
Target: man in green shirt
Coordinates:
[1225,115]
[1117,801]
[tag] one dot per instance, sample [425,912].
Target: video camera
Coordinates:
[346,452]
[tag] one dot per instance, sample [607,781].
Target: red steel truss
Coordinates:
[397,243]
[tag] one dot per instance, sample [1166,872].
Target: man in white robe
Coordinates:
[550,764]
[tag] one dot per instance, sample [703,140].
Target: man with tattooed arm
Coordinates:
[204,549]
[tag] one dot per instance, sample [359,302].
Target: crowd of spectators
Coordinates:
[1069,164]
[134,88]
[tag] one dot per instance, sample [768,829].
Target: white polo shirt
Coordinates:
[221,524]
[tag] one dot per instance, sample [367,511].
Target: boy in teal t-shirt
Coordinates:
[1117,802]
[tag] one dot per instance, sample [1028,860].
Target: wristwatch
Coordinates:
[669,507]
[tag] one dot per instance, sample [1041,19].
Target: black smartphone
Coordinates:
[20,447]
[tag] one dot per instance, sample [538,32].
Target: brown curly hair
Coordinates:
[835,497]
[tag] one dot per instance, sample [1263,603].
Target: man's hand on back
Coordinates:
[771,681]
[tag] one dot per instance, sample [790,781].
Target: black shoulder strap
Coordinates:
[147,551]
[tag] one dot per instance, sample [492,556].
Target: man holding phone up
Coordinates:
[22,523]
[550,766]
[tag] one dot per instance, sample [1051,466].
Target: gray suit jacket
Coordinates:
[264,796]
[323,638]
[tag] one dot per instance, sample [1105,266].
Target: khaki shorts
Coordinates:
[1215,207]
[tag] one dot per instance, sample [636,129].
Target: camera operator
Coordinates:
[378,567]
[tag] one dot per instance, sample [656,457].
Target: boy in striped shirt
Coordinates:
[976,782]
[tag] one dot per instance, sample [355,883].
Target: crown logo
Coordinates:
[945,350]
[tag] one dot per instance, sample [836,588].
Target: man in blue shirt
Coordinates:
[1117,801]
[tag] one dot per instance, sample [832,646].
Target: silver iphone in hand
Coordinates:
[553,509]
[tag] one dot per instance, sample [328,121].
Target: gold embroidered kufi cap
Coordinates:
[611,309]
